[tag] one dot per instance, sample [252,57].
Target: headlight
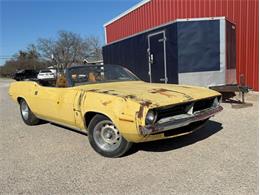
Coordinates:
[150,117]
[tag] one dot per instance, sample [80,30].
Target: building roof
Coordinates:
[141,3]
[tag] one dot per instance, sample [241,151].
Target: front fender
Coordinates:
[122,111]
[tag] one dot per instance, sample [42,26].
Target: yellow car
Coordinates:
[115,107]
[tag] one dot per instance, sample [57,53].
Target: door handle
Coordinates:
[36,93]
[151,58]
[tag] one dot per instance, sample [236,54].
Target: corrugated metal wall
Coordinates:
[244,13]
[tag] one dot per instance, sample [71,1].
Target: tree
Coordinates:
[32,52]
[24,59]
[95,48]
[70,48]
[67,48]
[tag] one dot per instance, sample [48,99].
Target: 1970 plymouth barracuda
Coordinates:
[115,107]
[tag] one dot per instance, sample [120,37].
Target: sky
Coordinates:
[24,22]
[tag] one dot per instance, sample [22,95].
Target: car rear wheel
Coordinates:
[28,117]
[105,138]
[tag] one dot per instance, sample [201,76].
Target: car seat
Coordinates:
[91,77]
[61,81]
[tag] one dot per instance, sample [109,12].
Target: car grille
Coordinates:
[203,104]
[183,108]
[171,111]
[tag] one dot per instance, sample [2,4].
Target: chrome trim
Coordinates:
[181,120]
[25,110]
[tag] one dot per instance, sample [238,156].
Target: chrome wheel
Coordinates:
[28,117]
[107,136]
[25,110]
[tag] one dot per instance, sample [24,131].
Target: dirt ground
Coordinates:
[221,158]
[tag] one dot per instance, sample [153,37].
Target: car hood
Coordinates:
[155,94]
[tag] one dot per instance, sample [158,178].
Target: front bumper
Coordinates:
[177,121]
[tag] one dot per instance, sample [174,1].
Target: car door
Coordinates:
[65,106]
[55,104]
[44,101]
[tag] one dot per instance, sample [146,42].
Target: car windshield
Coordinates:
[90,74]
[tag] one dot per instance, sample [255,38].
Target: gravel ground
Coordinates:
[221,158]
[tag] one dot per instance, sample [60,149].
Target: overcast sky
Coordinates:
[23,22]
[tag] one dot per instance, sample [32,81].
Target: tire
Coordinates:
[105,138]
[28,117]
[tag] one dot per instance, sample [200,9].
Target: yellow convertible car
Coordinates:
[115,107]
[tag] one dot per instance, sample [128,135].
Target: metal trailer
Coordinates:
[197,51]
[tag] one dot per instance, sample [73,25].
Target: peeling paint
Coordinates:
[143,104]
[80,98]
[164,92]
[92,90]
[114,94]
[140,112]
[106,91]
[131,96]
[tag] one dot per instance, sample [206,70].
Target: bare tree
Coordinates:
[67,49]
[24,59]
[32,52]
[95,47]
[70,48]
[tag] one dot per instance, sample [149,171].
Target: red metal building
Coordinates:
[244,13]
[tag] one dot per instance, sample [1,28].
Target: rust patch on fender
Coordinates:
[114,94]
[92,90]
[130,96]
[100,91]
[162,92]
[148,130]
[143,104]
[106,91]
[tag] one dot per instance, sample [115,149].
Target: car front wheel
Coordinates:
[28,117]
[105,138]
